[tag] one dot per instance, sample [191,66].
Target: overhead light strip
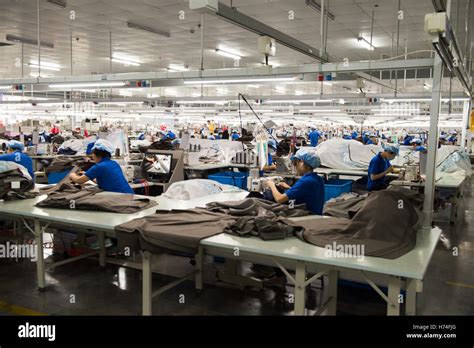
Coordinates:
[209,82]
[88,84]
[227,54]
[125,61]
[147,29]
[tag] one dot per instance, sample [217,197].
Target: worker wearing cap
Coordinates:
[15,154]
[314,136]
[416,145]
[105,172]
[380,166]
[272,147]
[234,135]
[309,189]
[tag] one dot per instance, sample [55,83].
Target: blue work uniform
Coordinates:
[270,159]
[369,142]
[377,165]
[309,190]
[407,140]
[22,159]
[354,135]
[314,138]
[420,148]
[109,176]
[235,136]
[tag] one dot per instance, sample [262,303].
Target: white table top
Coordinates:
[443,180]
[350,172]
[105,220]
[411,265]
[210,166]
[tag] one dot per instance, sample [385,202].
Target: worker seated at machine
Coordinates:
[380,166]
[309,189]
[272,147]
[107,173]
[416,145]
[15,154]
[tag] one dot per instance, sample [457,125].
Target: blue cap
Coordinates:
[392,148]
[15,145]
[308,157]
[104,145]
[272,143]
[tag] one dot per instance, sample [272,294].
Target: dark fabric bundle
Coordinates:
[63,163]
[7,180]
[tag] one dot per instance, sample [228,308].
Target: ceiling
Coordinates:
[100,28]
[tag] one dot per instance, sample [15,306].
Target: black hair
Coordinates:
[102,153]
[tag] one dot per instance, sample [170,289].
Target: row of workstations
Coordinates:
[302,263]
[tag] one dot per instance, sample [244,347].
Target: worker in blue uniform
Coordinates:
[15,154]
[272,147]
[234,135]
[309,189]
[314,137]
[416,145]
[106,172]
[379,167]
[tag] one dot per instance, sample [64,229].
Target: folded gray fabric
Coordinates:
[8,192]
[68,196]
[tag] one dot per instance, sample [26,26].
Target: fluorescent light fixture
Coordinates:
[45,66]
[253,86]
[298,101]
[341,101]
[5,87]
[365,43]
[124,61]
[88,84]
[196,110]
[147,29]
[210,82]
[221,102]
[299,93]
[317,7]
[280,89]
[318,110]
[59,3]
[228,54]
[176,67]
[27,41]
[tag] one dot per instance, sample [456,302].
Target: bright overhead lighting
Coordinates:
[210,82]
[426,86]
[227,54]
[148,29]
[175,67]
[28,41]
[319,110]
[298,101]
[202,102]
[125,61]
[365,43]
[88,84]
[5,87]
[253,86]
[43,67]
[328,83]
[341,101]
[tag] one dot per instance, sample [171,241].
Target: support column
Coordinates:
[465,123]
[432,144]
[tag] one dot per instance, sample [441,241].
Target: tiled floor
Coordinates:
[83,288]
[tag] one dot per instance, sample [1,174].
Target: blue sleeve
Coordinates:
[93,172]
[8,158]
[297,191]
[374,167]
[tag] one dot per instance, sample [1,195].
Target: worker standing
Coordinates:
[314,137]
[379,167]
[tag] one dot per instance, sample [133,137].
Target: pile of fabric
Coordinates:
[178,229]
[15,181]
[64,163]
[73,197]
[197,188]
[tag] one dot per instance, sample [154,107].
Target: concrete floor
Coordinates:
[84,288]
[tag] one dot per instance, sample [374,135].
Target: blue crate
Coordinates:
[230,178]
[55,177]
[335,187]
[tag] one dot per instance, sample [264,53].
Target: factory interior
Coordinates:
[236,158]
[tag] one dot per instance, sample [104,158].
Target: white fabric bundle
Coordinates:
[196,188]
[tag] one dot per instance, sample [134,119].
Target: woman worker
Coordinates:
[105,172]
[379,167]
[15,154]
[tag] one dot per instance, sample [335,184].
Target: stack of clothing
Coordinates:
[15,182]
[65,163]
[74,197]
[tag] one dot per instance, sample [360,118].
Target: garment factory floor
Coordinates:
[448,287]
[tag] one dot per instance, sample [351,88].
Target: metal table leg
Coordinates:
[147,282]
[40,268]
[300,288]
[410,303]
[102,253]
[332,292]
[199,268]
[393,305]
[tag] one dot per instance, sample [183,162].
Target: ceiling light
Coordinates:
[88,84]
[125,61]
[342,101]
[365,43]
[148,29]
[5,87]
[59,3]
[176,67]
[317,7]
[426,86]
[27,41]
[209,82]
[298,101]
[228,54]
[45,66]
[222,102]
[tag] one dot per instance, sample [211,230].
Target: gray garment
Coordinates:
[344,208]
[67,196]
[8,193]
[386,225]
[185,228]
[63,163]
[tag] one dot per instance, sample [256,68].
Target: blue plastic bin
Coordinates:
[230,178]
[335,187]
[55,177]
